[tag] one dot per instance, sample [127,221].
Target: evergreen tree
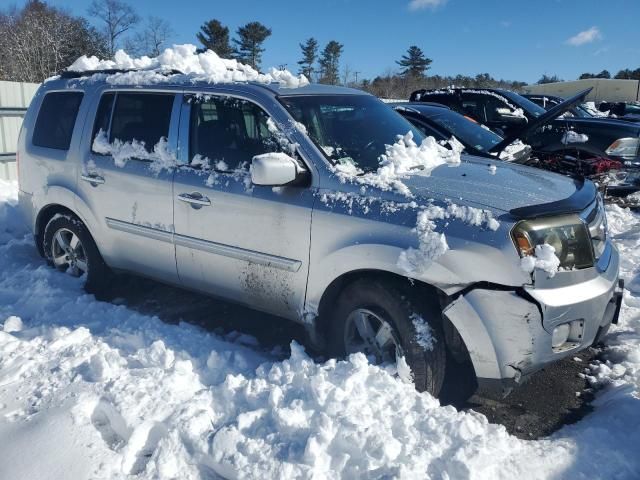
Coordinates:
[548,79]
[330,63]
[249,43]
[628,74]
[415,64]
[309,56]
[215,36]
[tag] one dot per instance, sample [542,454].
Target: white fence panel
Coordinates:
[14,100]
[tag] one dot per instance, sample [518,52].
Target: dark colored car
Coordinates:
[624,110]
[439,121]
[571,145]
[548,101]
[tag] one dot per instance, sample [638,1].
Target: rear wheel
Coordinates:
[69,247]
[384,322]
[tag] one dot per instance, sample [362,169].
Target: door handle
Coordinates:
[93,179]
[194,199]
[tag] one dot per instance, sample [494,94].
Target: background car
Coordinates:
[580,111]
[442,123]
[569,145]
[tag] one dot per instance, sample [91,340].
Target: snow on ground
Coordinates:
[94,390]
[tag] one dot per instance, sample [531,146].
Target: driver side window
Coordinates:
[225,133]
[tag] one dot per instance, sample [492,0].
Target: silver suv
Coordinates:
[276,198]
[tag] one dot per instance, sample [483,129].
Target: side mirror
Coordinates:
[275,170]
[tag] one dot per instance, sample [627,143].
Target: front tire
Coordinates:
[69,247]
[383,321]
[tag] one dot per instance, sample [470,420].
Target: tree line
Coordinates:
[40,40]
[625,74]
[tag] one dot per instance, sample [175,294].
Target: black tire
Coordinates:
[98,275]
[396,305]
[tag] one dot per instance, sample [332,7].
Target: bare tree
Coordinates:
[152,39]
[38,41]
[118,18]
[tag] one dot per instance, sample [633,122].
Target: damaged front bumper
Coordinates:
[511,334]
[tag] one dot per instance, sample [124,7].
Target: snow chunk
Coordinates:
[509,153]
[545,259]
[162,157]
[572,136]
[12,324]
[192,67]
[424,333]
[433,244]
[400,159]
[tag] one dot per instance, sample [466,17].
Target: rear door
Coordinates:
[234,239]
[130,196]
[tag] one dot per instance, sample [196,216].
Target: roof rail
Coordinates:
[111,71]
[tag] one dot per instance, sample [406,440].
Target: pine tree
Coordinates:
[249,43]
[309,56]
[330,63]
[415,64]
[215,36]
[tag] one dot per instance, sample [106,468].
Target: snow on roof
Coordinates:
[194,66]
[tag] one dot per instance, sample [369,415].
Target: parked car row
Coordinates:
[563,135]
[324,206]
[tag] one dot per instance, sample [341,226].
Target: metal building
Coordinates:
[14,100]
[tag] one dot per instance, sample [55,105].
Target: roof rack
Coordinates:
[112,71]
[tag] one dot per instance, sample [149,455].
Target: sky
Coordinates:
[510,39]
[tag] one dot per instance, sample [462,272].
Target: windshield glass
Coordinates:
[468,132]
[349,128]
[527,105]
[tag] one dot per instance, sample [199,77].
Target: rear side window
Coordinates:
[56,119]
[144,117]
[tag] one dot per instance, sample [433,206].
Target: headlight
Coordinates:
[624,147]
[567,234]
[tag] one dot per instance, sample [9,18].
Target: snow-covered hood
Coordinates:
[496,185]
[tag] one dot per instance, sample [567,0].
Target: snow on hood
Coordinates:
[206,67]
[405,156]
[89,389]
[512,150]
[571,136]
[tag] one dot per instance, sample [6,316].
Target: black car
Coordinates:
[623,110]
[548,101]
[571,145]
[442,123]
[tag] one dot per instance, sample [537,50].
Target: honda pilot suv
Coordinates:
[324,206]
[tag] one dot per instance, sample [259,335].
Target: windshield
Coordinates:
[349,128]
[527,105]
[467,131]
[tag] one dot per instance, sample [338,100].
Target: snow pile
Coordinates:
[162,157]
[10,222]
[571,136]
[511,150]
[95,390]
[545,258]
[593,110]
[193,67]
[433,244]
[405,156]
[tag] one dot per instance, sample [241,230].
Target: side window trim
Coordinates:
[95,119]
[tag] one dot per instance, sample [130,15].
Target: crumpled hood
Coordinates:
[491,184]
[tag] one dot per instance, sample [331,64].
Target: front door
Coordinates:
[234,239]
[128,191]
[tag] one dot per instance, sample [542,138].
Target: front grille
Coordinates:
[596,220]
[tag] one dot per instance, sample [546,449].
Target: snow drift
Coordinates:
[94,390]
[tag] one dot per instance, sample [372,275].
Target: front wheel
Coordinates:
[69,247]
[382,321]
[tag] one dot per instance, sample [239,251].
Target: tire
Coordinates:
[391,303]
[81,259]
